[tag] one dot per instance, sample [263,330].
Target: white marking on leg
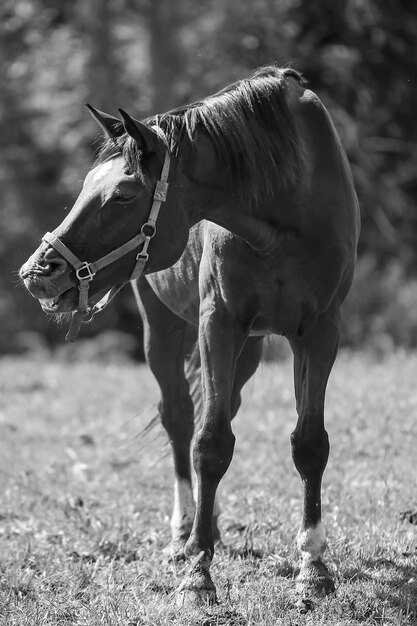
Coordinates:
[312,542]
[183,513]
[216,509]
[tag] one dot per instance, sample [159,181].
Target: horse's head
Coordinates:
[108,230]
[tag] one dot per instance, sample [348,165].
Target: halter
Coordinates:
[86,271]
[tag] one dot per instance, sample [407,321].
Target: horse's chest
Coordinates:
[285,305]
[290,317]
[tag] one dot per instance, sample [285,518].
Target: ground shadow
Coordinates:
[401,581]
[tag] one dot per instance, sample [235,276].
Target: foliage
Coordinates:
[149,56]
[85,507]
[381,311]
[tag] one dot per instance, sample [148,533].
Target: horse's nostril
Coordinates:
[48,269]
[53,264]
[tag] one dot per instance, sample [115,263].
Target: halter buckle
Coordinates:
[89,272]
[142,256]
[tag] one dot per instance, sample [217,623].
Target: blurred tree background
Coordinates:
[148,56]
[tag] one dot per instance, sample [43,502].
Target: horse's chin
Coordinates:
[65,303]
[60,308]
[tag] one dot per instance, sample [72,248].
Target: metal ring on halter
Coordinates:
[153,230]
[90,319]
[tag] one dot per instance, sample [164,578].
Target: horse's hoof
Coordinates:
[197,589]
[195,598]
[304,605]
[313,582]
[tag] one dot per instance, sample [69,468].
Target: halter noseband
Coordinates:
[86,271]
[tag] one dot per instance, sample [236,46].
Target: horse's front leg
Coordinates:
[220,345]
[314,356]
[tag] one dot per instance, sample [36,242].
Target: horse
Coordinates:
[235,216]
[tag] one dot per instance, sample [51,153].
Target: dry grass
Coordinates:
[85,506]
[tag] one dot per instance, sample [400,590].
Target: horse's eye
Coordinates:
[123,199]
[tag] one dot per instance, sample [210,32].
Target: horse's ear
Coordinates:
[146,138]
[111,126]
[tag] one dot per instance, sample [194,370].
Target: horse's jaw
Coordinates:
[65,302]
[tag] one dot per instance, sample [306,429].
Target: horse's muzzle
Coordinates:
[49,279]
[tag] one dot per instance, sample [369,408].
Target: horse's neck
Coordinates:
[209,198]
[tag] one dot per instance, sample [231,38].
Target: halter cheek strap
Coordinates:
[86,271]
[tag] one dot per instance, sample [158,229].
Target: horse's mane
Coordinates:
[251,127]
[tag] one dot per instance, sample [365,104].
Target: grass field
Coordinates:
[85,504]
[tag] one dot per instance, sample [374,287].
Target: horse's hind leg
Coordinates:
[164,342]
[314,356]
